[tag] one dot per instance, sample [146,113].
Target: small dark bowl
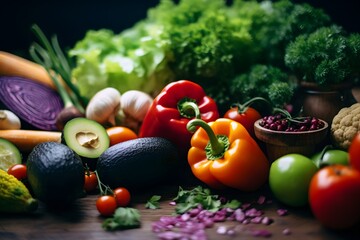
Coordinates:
[280,143]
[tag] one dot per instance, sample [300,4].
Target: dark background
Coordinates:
[70,20]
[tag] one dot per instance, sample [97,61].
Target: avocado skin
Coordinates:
[55,173]
[138,163]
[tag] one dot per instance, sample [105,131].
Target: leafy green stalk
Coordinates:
[41,56]
[54,59]
[207,41]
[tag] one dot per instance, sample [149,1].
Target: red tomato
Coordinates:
[247,118]
[354,152]
[119,134]
[18,171]
[91,181]
[334,196]
[122,196]
[106,205]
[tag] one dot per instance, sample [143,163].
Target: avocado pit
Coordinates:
[88,139]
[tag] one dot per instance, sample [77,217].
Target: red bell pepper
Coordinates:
[173,108]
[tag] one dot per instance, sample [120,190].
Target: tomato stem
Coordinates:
[100,184]
[87,170]
[241,108]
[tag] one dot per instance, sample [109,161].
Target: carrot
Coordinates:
[13,65]
[26,140]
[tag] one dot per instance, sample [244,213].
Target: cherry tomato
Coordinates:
[106,205]
[91,181]
[122,196]
[119,134]
[334,196]
[18,171]
[246,117]
[354,152]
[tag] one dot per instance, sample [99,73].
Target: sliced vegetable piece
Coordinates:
[86,137]
[26,140]
[9,154]
[32,102]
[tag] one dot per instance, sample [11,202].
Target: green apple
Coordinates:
[330,156]
[290,177]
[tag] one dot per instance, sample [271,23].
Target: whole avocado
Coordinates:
[55,173]
[138,163]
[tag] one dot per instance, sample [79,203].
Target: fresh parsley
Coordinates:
[189,199]
[124,218]
[153,202]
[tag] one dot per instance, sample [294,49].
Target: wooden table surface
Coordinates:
[82,221]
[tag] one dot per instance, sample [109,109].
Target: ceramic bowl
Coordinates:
[280,143]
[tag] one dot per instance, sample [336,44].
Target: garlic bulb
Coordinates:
[134,106]
[8,120]
[104,106]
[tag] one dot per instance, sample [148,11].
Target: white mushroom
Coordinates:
[134,106]
[8,120]
[104,106]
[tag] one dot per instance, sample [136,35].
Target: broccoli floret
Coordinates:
[264,81]
[280,93]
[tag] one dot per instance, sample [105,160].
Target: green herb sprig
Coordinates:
[189,199]
[153,202]
[124,218]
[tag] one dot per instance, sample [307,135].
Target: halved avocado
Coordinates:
[86,137]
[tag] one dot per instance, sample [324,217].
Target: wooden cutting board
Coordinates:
[82,221]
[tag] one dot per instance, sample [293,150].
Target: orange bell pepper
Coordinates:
[223,154]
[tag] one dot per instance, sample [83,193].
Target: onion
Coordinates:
[282,212]
[32,102]
[196,220]
[286,231]
[261,233]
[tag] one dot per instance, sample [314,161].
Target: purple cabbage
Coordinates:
[34,103]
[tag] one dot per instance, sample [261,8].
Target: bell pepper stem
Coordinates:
[188,108]
[217,146]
